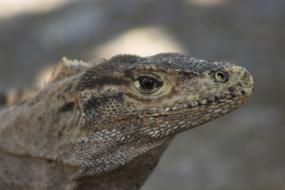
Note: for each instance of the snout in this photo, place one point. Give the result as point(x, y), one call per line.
point(247, 83)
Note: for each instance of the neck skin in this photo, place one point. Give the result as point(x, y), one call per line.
point(26, 172)
point(129, 177)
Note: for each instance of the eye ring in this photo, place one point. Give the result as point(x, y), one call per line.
point(147, 84)
point(221, 76)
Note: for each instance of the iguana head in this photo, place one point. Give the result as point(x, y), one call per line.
point(165, 93)
point(145, 100)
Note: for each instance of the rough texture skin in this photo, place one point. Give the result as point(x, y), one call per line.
point(105, 126)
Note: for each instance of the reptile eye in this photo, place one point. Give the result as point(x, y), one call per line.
point(221, 76)
point(147, 84)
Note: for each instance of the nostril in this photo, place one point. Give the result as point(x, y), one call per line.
point(221, 76)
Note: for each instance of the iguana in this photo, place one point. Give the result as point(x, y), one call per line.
point(104, 126)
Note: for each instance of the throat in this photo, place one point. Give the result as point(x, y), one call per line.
point(132, 175)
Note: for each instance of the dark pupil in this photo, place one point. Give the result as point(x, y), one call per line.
point(221, 75)
point(147, 83)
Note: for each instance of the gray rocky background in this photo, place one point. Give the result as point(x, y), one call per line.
point(244, 150)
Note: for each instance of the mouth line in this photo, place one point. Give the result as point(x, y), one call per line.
point(223, 98)
point(231, 98)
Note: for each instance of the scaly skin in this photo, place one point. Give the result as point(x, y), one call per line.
point(105, 126)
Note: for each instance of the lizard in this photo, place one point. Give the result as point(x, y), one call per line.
point(104, 126)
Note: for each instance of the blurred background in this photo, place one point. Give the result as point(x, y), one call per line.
point(243, 150)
